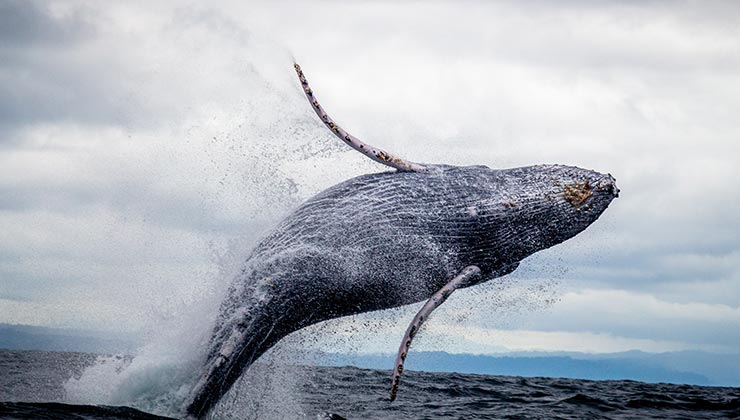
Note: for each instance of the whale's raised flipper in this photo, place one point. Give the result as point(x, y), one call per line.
point(373, 153)
point(461, 280)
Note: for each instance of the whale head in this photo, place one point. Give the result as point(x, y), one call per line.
point(516, 212)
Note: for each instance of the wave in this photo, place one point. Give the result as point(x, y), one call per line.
point(59, 411)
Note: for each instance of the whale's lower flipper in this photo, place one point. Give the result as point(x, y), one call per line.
point(461, 280)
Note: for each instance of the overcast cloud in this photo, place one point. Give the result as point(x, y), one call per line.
point(144, 148)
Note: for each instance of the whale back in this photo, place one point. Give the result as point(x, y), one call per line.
point(402, 235)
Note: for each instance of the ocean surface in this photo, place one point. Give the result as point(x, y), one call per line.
point(32, 386)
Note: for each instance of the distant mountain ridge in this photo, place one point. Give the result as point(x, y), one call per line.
point(684, 367)
point(645, 370)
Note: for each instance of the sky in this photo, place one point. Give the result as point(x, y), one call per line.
point(144, 148)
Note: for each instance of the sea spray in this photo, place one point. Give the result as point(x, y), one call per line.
point(248, 164)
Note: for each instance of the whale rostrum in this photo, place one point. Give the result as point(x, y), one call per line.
point(389, 239)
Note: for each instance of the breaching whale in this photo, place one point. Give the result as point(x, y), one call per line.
point(389, 239)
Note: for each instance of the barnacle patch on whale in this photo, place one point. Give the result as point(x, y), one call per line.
point(578, 192)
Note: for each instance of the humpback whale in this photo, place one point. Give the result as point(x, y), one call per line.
point(389, 239)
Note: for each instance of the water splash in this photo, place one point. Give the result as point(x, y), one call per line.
point(248, 171)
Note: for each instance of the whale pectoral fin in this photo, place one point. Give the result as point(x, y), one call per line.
point(433, 303)
point(374, 153)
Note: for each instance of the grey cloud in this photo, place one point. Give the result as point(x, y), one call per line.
point(47, 87)
point(636, 322)
point(28, 23)
point(33, 87)
point(643, 90)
